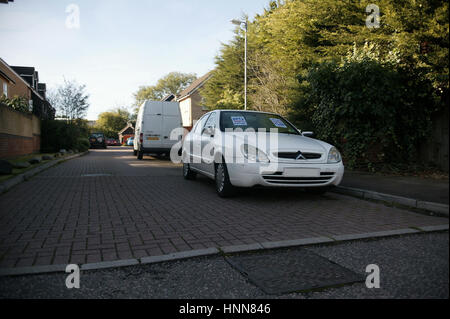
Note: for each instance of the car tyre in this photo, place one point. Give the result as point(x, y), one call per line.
point(188, 174)
point(224, 187)
point(140, 155)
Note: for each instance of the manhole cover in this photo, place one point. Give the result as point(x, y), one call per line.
point(292, 271)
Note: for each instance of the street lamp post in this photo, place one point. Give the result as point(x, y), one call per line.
point(245, 23)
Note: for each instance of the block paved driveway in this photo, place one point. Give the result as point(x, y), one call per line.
point(108, 206)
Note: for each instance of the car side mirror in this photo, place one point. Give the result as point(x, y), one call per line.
point(209, 131)
point(308, 134)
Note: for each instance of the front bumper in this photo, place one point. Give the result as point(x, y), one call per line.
point(255, 174)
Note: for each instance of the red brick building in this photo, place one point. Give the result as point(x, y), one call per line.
point(20, 132)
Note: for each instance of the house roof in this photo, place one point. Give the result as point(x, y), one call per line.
point(168, 98)
point(197, 84)
point(23, 70)
point(126, 128)
point(7, 77)
point(21, 78)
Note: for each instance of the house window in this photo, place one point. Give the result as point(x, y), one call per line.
point(5, 89)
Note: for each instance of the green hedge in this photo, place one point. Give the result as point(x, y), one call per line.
point(57, 135)
point(373, 112)
point(83, 144)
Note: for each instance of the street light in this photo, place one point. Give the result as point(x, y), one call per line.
point(239, 23)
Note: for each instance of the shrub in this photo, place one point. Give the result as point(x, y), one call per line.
point(373, 112)
point(83, 144)
point(56, 135)
point(17, 103)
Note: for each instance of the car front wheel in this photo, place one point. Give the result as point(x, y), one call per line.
point(223, 185)
point(188, 173)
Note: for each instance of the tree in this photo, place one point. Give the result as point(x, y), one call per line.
point(173, 83)
point(291, 36)
point(224, 90)
point(112, 122)
point(70, 100)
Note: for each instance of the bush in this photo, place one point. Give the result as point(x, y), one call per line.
point(83, 144)
point(373, 112)
point(56, 135)
point(17, 103)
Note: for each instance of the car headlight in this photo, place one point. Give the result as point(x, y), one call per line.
point(254, 154)
point(334, 156)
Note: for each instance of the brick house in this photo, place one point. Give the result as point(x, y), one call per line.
point(126, 133)
point(20, 132)
point(41, 107)
point(191, 102)
point(11, 84)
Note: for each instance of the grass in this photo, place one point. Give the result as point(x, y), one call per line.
point(26, 158)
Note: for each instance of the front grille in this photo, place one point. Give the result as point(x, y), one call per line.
point(279, 179)
point(295, 155)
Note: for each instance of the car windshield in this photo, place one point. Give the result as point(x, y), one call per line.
point(97, 135)
point(256, 121)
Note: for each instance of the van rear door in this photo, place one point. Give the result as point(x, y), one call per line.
point(152, 126)
point(172, 120)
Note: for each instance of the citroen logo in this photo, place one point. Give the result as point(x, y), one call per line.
point(300, 156)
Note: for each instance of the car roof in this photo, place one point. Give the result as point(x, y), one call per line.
point(243, 111)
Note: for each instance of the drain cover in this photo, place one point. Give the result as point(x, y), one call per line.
point(284, 272)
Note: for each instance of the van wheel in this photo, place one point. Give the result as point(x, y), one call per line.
point(188, 173)
point(224, 187)
point(140, 155)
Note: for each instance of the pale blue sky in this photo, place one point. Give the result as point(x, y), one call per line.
point(120, 45)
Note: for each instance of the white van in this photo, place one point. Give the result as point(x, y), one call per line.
point(155, 121)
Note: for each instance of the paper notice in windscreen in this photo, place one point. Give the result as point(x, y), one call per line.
point(278, 123)
point(239, 121)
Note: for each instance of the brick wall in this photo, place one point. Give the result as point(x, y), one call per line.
point(12, 146)
point(19, 133)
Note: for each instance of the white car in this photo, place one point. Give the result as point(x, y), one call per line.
point(246, 149)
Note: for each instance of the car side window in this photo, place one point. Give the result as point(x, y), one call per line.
point(201, 124)
point(211, 121)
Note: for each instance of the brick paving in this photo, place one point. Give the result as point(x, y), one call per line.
point(144, 208)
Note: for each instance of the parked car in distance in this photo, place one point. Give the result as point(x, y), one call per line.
point(130, 141)
point(98, 140)
point(155, 122)
point(296, 161)
point(110, 142)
